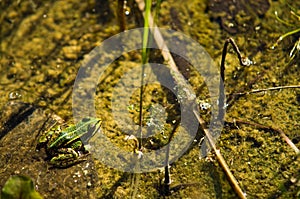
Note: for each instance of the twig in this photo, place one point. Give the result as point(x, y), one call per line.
point(270, 128)
point(232, 97)
point(221, 160)
point(121, 15)
point(268, 89)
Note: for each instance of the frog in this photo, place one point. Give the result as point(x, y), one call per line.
point(65, 146)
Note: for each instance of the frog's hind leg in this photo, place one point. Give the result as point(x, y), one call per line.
point(67, 157)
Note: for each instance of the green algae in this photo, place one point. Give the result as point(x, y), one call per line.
point(43, 45)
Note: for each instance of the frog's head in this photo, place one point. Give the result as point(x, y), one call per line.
point(92, 126)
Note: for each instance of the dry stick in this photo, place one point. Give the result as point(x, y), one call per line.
point(282, 134)
point(268, 89)
point(180, 80)
point(269, 128)
point(121, 15)
point(221, 160)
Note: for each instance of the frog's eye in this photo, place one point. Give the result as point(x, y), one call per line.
point(85, 119)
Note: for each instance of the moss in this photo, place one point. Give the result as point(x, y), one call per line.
point(45, 46)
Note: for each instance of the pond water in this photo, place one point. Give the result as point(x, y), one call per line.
point(45, 43)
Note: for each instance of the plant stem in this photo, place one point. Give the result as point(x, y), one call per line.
point(144, 61)
point(244, 61)
point(121, 15)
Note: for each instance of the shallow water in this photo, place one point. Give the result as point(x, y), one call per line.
point(44, 43)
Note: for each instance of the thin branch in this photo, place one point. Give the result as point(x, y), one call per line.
point(267, 89)
point(121, 15)
point(221, 160)
point(270, 128)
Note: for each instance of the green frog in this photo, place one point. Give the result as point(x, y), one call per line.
point(65, 146)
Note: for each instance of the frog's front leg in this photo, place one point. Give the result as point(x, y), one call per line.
point(66, 157)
